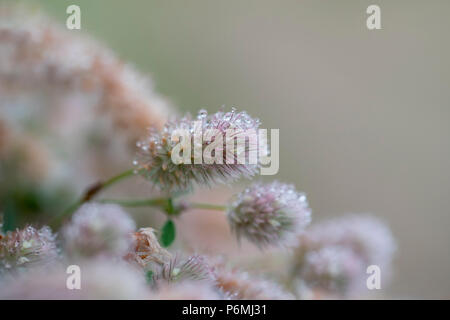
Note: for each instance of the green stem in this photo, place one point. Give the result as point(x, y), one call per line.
point(117, 178)
point(208, 206)
point(90, 193)
point(162, 203)
point(157, 202)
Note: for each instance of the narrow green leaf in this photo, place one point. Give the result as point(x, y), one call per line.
point(168, 233)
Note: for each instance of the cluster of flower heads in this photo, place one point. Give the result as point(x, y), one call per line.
point(269, 214)
point(330, 259)
point(37, 54)
point(216, 132)
point(119, 261)
point(26, 248)
point(333, 256)
point(62, 93)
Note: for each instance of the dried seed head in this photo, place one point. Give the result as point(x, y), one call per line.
point(269, 214)
point(146, 250)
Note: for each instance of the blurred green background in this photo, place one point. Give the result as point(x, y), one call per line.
point(364, 116)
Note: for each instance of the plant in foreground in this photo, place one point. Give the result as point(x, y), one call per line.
point(122, 262)
point(329, 257)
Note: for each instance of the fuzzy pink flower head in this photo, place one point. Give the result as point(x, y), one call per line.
point(200, 160)
point(25, 248)
point(334, 269)
point(98, 229)
point(101, 278)
point(333, 256)
point(269, 214)
point(366, 235)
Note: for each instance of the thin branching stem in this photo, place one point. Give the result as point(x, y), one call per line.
point(90, 193)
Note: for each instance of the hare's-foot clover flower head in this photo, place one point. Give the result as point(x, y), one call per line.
point(366, 235)
point(269, 214)
point(333, 269)
point(333, 256)
point(27, 247)
point(206, 150)
point(98, 229)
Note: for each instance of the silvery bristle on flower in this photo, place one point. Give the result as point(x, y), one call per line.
point(333, 255)
point(269, 214)
point(100, 279)
point(26, 248)
point(194, 267)
point(98, 229)
point(154, 153)
point(146, 250)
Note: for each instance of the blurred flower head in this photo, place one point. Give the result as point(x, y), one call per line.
point(188, 290)
point(269, 214)
point(333, 269)
point(333, 256)
point(243, 286)
point(98, 229)
point(26, 248)
point(100, 279)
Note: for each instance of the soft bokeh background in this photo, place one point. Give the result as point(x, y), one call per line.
point(364, 116)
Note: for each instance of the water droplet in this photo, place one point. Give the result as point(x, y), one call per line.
point(202, 114)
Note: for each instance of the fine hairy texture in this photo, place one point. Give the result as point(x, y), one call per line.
point(269, 214)
point(78, 123)
point(154, 159)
